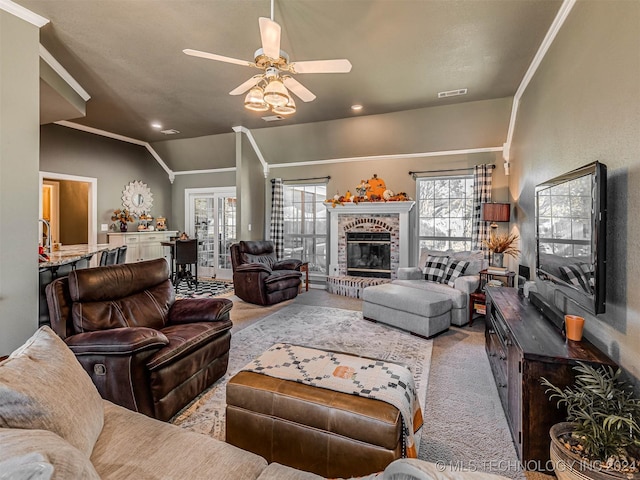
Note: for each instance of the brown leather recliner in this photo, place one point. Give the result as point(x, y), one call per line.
point(143, 349)
point(258, 276)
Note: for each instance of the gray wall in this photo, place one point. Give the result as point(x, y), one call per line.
point(19, 138)
point(583, 105)
point(460, 126)
point(199, 153)
point(201, 180)
point(112, 162)
point(448, 127)
point(452, 127)
point(250, 192)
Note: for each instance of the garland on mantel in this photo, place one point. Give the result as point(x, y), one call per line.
point(372, 190)
point(341, 199)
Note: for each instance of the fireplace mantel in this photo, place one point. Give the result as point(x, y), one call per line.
point(371, 207)
point(364, 209)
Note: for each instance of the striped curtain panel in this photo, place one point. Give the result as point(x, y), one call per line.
point(482, 175)
point(276, 232)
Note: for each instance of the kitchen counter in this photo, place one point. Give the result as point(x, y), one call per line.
point(72, 253)
point(60, 264)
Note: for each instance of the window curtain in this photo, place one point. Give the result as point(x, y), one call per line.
point(482, 175)
point(276, 231)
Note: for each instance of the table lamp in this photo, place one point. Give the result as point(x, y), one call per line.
point(496, 212)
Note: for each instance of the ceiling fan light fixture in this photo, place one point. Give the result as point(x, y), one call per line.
point(275, 93)
point(255, 100)
point(288, 109)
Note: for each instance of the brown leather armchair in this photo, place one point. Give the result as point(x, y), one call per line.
point(143, 349)
point(258, 276)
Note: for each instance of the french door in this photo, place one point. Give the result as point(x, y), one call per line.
point(210, 215)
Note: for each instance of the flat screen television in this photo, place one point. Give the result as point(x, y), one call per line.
point(571, 222)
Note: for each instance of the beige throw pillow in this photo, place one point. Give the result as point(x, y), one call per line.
point(44, 387)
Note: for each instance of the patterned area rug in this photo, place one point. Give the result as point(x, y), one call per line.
point(206, 288)
point(320, 327)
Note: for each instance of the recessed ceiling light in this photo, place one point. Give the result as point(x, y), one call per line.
point(170, 131)
point(356, 107)
point(156, 125)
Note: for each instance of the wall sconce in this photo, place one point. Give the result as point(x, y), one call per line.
point(496, 212)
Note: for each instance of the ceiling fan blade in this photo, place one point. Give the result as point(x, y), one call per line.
point(270, 35)
point(239, 90)
point(213, 56)
point(341, 65)
point(300, 90)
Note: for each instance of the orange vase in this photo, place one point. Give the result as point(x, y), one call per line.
point(574, 326)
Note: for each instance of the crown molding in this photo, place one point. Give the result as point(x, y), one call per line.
point(102, 133)
point(208, 170)
point(64, 74)
point(397, 156)
point(23, 13)
point(122, 138)
point(247, 132)
point(561, 16)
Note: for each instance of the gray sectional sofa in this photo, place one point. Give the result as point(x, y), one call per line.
point(423, 307)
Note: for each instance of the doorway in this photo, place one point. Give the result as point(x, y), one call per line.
point(210, 215)
point(69, 204)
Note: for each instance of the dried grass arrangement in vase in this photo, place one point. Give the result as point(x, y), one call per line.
point(502, 244)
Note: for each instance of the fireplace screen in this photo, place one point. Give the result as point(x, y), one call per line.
point(369, 254)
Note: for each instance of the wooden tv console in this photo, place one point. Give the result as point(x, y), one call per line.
point(523, 346)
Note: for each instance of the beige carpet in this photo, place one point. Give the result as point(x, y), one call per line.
point(462, 408)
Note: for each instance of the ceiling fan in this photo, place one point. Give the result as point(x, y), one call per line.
point(268, 90)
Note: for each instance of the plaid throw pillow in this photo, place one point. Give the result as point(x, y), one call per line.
point(434, 268)
point(455, 268)
point(578, 275)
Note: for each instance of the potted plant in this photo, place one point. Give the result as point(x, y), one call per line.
point(500, 245)
point(601, 438)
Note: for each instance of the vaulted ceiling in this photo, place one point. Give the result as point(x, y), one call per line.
point(127, 54)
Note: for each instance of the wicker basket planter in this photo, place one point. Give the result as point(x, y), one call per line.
point(570, 466)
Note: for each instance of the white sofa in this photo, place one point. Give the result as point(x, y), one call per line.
point(419, 306)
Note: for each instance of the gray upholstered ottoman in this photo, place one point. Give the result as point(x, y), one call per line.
point(418, 311)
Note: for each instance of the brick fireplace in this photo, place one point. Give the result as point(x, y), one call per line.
point(391, 218)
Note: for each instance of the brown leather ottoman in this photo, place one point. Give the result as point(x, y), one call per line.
point(328, 433)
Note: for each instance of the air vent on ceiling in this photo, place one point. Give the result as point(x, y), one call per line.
point(170, 131)
point(452, 93)
point(273, 118)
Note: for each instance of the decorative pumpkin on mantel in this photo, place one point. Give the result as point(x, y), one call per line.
point(377, 187)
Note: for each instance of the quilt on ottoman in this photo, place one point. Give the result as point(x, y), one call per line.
point(389, 382)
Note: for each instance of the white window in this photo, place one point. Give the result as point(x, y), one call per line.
point(445, 212)
point(305, 225)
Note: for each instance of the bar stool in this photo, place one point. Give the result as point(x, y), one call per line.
point(186, 255)
point(108, 257)
point(122, 255)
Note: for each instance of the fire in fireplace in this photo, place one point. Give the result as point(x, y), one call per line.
point(369, 254)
